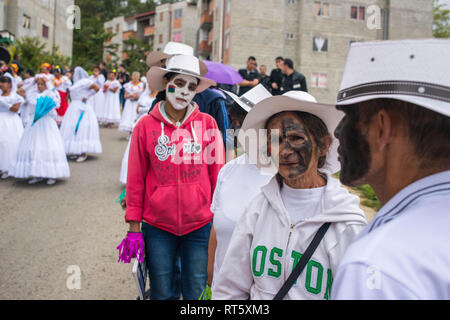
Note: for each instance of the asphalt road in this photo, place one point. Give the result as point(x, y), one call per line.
point(49, 235)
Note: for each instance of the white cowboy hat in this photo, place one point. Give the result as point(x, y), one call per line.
point(155, 58)
point(181, 64)
point(251, 97)
point(415, 71)
point(292, 101)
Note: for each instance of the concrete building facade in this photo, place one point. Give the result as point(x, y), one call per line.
point(47, 20)
point(316, 35)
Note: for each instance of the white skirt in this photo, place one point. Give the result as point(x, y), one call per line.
point(110, 112)
point(87, 139)
point(129, 116)
point(11, 131)
point(98, 101)
point(124, 170)
point(41, 152)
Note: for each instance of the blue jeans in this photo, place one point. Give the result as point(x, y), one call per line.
point(164, 249)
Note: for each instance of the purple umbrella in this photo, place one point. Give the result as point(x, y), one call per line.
point(222, 74)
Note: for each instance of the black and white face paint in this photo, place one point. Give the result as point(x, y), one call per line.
point(180, 91)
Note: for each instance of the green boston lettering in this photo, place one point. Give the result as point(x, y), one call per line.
point(314, 264)
point(275, 263)
point(262, 261)
point(329, 284)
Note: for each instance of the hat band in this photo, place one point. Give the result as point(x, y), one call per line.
point(247, 102)
point(409, 88)
point(184, 71)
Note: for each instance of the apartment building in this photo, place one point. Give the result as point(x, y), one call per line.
point(44, 19)
point(316, 35)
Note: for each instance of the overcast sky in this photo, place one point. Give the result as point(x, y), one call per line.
point(447, 2)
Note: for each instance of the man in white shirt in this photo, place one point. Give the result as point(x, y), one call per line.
point(396, 137)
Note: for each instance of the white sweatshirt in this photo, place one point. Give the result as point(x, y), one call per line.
point(266, 246)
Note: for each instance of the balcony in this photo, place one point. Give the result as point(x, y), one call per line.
point(129, 35)
point(210, 36)
point(204, 47)
point(149, 31)
point(206, 20)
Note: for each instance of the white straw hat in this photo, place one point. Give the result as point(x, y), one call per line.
point(171, 49)
point(251, 97)
point(292, 101)
point(415, 71)
point(181, 64)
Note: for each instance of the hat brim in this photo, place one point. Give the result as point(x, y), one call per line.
point(156, 75)
point(155, 58)
point(238, 101)
point(438, 106)
point(259, 115)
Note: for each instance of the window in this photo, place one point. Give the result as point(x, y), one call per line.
point(290, 36)
point(291, 1)
point(321, 9)
point(178, 13)
point(228, 6)
point(117, 28)
point(26, 22)
point(319, 80)
point(160, 38)
point(161, 16)
point(177, 36)
point(358, 13)
point(320, 44)
point(45, 31)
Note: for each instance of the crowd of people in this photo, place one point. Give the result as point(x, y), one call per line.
point(257, 212)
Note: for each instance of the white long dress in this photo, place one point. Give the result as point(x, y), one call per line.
point(110, 112)
point(41, 150)
point(98, 100)
point(145, 103)
point(129, 114)
point(87, 138)
point(11, 130)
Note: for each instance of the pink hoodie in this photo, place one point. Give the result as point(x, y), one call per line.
point(165, 188)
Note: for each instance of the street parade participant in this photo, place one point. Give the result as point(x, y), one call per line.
point(176, 154)
point(396, 137)
point(98, 100)
point(45, 72)
point(29, 86)
point(41, 153)
point(289, 241)
point(133, 91)
point(144, 104)
point(238, 183)
point(10, 124)
point(109, 113)
point(62, 84)
point(79, 128)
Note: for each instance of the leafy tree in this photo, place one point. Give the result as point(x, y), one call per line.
point(441, 25)
point(136, 52)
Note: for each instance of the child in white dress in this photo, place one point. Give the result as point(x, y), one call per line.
point(41, 153)
point(10, 124)
point(133, 91)
point(79, 128)
point(109, 114)
point(98, 100)
point(144, 105)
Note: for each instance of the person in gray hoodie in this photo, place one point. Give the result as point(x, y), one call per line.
point(279, 224)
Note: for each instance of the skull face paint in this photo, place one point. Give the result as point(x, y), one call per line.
point(295, 145)
point(180, 91)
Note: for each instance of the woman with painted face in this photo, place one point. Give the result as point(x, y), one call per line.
point(175, 156)
point(281, 222)
point(79, 128)
point(133, 91)
point(10, 124)
point(41, 153)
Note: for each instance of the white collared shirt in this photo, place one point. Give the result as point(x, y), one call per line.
point(404, 253)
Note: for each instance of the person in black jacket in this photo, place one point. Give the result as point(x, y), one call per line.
point(124, 77)
point(276, 77)
point(292, 80)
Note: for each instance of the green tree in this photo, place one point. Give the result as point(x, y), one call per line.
point(441, 24)
point(136, 52)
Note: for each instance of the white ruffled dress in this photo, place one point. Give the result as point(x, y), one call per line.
point(87, 139)
point(98, 100)
point(129, 114)
point(110, 112)
point(11, 130)
point(41, 150)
